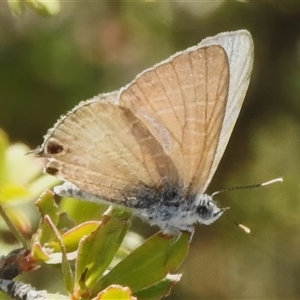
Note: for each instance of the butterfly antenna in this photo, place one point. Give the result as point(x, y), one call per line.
point(252, 186)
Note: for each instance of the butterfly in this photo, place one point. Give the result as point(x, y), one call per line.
point(154, 145)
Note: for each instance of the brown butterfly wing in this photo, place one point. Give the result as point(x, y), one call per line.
point(103, 149)
point(239, 48)
point(182, 102)
point(173, 118)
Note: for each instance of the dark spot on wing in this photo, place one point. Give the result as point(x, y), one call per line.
point(54, 148)
point(52, 171)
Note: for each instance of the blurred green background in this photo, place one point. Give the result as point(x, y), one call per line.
point(49, 64)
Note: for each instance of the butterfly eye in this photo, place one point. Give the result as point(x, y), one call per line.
point(204, 211)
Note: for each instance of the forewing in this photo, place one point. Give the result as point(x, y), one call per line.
point(240, 51)
point(182, 102)
point(103, 149)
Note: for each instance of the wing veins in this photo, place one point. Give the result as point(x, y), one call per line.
point(169, 100)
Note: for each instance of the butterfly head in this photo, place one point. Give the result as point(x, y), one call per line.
point(207, 211)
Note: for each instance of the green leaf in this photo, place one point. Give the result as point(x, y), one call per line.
point(66, 268)
point(72, 237)
point(82, 211)
point(150, 263)
point(65, 222)
point(96, 251)
point(38, 252)
point(115, 292)
point(159, 290)
point(46, 206)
